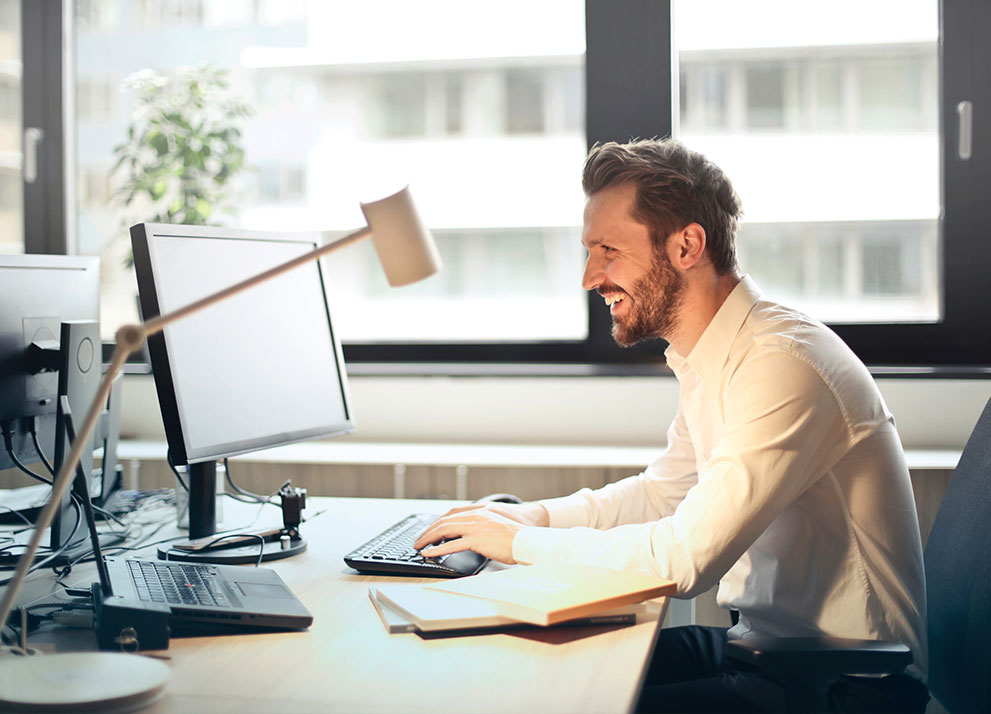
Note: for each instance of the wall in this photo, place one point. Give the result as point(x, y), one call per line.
point(931, 414)
point(620, 411)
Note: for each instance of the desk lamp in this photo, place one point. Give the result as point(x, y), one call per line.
point(407, 253)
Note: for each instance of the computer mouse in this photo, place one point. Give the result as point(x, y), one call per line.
point(500, 498)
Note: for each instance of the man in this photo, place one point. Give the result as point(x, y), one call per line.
point(783, 480)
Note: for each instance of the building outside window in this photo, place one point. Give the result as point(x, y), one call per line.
point(478, 122)
point(830, 134)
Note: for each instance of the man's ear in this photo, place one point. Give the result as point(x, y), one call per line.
point(688, 246)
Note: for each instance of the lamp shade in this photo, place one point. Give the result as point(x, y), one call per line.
point(404, 245)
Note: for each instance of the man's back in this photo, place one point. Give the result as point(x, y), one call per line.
point(860, 573)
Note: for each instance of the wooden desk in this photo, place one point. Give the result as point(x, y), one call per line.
point(346, 662)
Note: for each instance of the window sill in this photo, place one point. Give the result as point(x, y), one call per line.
point(526, 369)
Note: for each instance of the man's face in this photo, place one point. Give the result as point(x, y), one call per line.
point(637, 281)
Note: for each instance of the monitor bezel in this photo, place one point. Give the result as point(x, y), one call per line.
point(143, 236)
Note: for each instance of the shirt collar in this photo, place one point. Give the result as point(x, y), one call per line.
point(712, 349)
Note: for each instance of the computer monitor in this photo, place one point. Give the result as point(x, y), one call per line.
point(262, 369)
point(42, 298)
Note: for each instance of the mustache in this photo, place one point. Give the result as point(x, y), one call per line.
point(609, 289)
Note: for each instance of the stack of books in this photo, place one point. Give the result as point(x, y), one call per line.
point(540, 595)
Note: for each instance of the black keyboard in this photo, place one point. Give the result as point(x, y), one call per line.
point(391, 552)
point(177, 583)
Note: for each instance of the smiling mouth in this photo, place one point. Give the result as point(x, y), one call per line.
point(613, 299)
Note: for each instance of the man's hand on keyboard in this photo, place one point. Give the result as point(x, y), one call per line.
point(487, 529)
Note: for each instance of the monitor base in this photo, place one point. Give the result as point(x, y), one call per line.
point(235, 555)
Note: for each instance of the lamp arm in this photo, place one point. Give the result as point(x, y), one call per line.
point(129, 339)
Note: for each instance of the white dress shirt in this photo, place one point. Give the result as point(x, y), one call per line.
point(783, 481)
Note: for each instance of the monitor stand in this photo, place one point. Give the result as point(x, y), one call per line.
point(241, 547)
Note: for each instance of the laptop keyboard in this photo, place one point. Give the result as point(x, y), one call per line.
point(391, 552)
point(177, 583)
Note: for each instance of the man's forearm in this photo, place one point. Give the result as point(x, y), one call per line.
point(535, 514)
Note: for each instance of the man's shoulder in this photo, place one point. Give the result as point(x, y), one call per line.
point(786, 345)
point(773, 327)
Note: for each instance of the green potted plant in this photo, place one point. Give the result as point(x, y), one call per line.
point(184, 148)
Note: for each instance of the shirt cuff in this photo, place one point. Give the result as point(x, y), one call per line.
point(567, 511)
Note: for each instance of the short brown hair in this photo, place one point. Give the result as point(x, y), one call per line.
point(675, 186)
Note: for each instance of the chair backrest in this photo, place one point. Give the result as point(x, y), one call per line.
point(958, 581)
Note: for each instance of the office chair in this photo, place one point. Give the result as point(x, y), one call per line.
point(958, 584)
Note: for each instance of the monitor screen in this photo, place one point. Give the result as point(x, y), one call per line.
point(261, 369)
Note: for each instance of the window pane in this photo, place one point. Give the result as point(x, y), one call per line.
point(826, 120)
point(486, 124)
point(765, 96)
point(524, 102)
point(11, 186)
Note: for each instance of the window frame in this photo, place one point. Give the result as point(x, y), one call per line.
point(629, 65)
point(47, 220)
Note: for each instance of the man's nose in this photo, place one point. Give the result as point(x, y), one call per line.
point(592, 277)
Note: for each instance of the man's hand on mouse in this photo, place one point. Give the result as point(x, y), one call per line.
point(487, 529)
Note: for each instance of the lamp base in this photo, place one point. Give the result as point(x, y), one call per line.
point(81, 682)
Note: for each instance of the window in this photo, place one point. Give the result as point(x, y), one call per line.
point(97, 14)
point(839, 128)
point(838, 136)
point(524, 102)
point(454, 119)
point(169, 13)
point(400, 107)
point(278, 184)
point(765, 96)
point(96, 100)
point(479, 123)
point(11, 218)
point(860, 207)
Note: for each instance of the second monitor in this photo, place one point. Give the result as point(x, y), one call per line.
point(262, 369)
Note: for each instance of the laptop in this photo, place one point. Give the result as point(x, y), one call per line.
point(202, 598)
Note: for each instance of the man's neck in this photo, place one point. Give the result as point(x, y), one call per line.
point(704, 294)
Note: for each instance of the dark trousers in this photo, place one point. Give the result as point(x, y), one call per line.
point(689, 673)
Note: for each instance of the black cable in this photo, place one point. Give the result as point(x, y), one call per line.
point(110, 516)
point(55, 554)
point(89, 555)
point(261, 544)
point(33, 620)
point(175, 471)
point(252, 497)
point(51, 469)
point(18, 514)
point(37, 447)
point(74, 500)
point(8, 442)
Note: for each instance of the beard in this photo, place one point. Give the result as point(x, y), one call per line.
point(656, 299)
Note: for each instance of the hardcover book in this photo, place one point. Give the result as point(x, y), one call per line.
point(548, 593)
point(412, 608)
